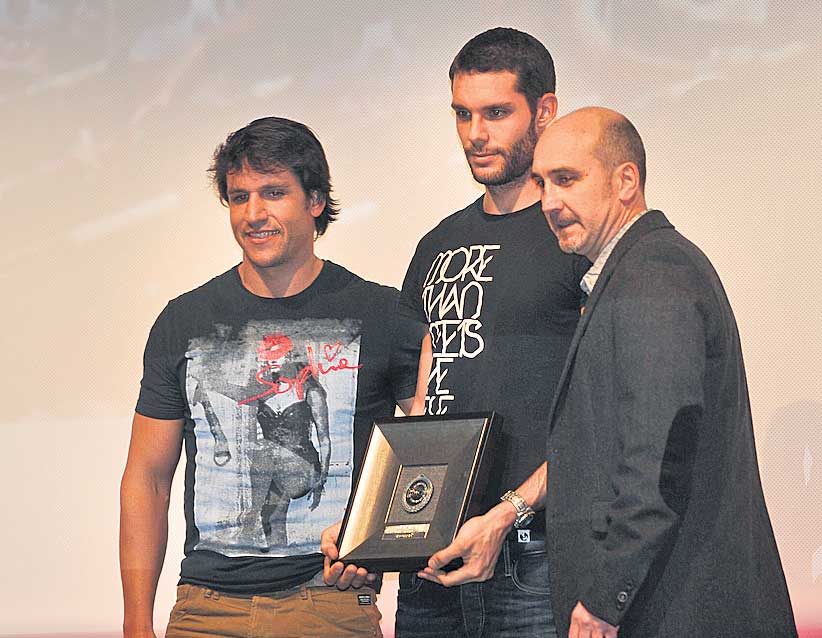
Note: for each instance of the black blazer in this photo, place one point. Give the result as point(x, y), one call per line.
point(655, 515)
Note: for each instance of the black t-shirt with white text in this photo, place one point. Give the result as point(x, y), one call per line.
point(501, 302)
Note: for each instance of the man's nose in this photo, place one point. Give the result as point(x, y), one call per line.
point(255, 211)
point(478, 132)
point(549, 199)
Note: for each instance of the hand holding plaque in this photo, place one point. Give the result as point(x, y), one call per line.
point(336, 573)
point(415, 488)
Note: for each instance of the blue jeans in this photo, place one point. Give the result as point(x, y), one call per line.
point(514, 603)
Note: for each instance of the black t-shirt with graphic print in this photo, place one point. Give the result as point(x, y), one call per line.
point(501, 302)
point(278, 396)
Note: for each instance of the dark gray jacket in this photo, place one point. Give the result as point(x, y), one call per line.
point(655, 515)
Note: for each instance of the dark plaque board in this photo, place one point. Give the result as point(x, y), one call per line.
point(416, 487)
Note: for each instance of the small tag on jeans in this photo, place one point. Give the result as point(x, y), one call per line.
point(363, 599)
point(523, 535)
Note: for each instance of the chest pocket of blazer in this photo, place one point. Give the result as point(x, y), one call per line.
point(599, 517)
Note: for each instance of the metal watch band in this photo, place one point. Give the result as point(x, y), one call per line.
point(524, 511)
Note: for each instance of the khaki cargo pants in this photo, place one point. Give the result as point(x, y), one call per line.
point(301, 611)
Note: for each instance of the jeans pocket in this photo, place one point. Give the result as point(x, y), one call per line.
point(530, 573)
point(409, 584)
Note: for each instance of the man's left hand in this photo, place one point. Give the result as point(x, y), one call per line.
point(336, 573)
point(585, 625)
point(478, 544)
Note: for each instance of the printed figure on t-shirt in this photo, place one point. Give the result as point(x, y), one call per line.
point(272, 400)
point(285, 421)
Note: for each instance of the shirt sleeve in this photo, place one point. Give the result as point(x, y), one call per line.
point(659, 366)
point(406, 340)
point(161, 395)
point(410, 303)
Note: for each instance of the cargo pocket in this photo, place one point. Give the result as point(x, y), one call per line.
point(180, 606)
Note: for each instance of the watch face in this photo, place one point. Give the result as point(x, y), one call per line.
point(417, 494)
point(524, 519)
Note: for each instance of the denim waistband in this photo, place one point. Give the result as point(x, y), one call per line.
point(525, 541)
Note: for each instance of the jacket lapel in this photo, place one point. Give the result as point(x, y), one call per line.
point(650, 221)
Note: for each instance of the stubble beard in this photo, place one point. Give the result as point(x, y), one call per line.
point(516, 161)
point(567, 244)
point(570, 247)
point(261, 260)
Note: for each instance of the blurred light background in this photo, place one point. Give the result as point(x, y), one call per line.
point(110, 112)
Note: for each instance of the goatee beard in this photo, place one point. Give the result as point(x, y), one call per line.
point(516, 161)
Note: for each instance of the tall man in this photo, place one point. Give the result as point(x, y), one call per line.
point(499, 326)
point(656, 519)
point(271, 374)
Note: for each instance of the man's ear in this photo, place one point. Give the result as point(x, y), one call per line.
point(316, 203)
point(545, 111)
point(626, 182)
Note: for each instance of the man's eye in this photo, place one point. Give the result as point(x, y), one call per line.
point(563, 180)
point(273, 194)
point(496, 114)
point(239, 198)
point(463, 115)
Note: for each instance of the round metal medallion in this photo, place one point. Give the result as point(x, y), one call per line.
point(418, 494)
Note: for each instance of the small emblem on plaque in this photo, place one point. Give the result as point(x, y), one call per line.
point(418, 494)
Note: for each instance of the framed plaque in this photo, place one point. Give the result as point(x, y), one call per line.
point(415, 488)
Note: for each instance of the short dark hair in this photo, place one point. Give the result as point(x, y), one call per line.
point(504, 49)
point(271, 144)
point(619, 142)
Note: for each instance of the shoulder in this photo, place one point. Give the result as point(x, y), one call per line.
point(665, 253)
point(346, 282)
point(206, 293)
point(449, 225)
point(663, 269)
point(197, 303)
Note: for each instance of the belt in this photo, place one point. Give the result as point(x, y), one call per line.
point(525, 541)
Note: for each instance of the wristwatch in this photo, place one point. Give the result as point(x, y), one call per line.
point(525, 512)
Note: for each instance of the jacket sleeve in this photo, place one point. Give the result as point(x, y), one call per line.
point(659, 360)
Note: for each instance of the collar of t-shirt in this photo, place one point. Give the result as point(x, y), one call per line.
point(589, 279)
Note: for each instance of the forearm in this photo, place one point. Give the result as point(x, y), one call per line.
point(533, 490)
point(143, 539)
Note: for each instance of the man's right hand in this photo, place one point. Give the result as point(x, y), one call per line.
point(478, 544)
point(336, 573)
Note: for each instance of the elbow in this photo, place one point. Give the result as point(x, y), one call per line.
point(139, 486)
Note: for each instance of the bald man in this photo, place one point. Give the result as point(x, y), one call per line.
point(656, 521)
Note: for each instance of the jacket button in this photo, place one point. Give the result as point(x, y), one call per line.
point(622, 597)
